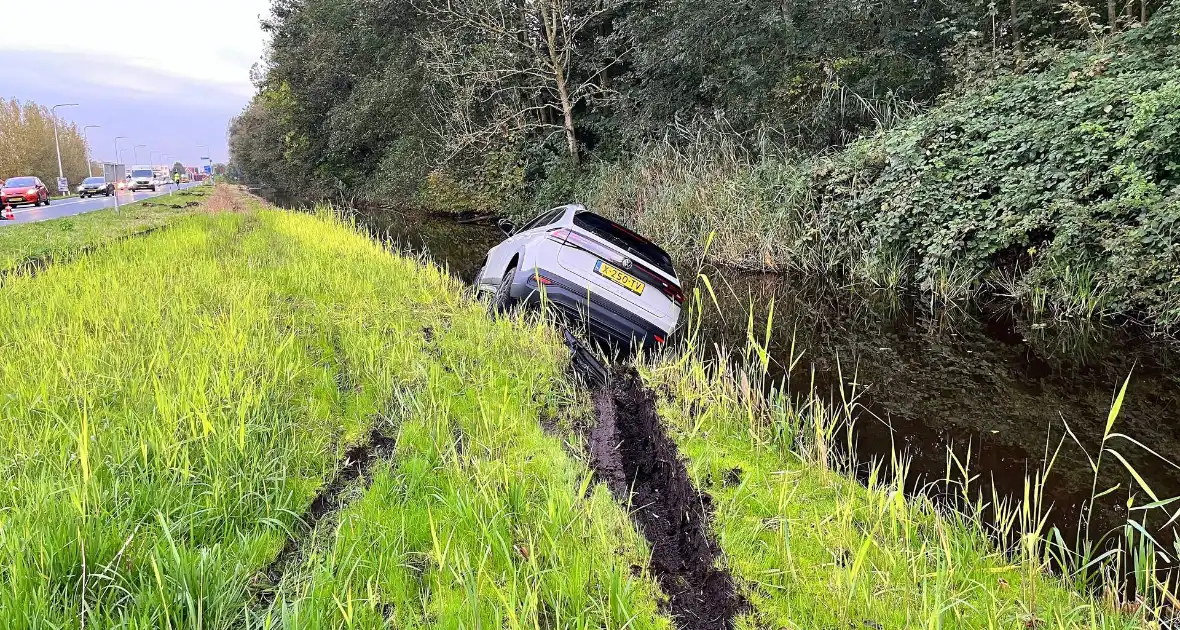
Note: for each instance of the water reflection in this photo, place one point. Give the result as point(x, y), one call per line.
point(971, 380)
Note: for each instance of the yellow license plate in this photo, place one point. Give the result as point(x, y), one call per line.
point(619, 277)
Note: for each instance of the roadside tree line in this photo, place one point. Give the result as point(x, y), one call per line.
point(488, 104)
point(27, 148)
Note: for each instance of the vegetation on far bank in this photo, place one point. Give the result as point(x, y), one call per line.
point(40, 241)
point(1059, 187)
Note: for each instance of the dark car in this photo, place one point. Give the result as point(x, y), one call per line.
point(92, 186)
point(21, 190)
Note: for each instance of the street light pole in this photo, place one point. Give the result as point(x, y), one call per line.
point(117, 162)
point(56, 143)
point(86, 139)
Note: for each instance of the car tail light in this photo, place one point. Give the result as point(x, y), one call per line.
point(658, 339)
point(674, 293)
point(559, 235)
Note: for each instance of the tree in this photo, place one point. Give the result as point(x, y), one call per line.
point(178, 169)
point(27, 145)
point(814, 72)
point(507, 67)
point(340, 103)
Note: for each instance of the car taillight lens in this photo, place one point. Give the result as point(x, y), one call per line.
point(674, 293)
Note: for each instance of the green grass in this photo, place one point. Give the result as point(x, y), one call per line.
point(814, 548)
point(26, 243)
point(173, 403)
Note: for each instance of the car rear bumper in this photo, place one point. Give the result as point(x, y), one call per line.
point(599, 315)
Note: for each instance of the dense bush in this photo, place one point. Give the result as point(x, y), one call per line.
point(1061, 187)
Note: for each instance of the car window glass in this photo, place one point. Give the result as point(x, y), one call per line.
point(625, 239)
point(544, 218)
point(549, 217)
point(531, 224)
point(21, 181)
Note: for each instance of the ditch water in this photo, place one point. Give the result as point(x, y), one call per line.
point(963, 380)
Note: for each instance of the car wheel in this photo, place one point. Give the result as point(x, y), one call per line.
point(47, 201)
point(502, 300)
point(153, 189)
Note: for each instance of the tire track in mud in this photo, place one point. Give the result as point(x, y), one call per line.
point(357, 463)
point(632, 453)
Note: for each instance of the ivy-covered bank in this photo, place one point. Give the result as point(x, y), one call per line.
point(1059, 187)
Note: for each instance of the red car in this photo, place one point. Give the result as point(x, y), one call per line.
point(18, 190)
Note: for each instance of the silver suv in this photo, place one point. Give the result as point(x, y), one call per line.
point(620, 285)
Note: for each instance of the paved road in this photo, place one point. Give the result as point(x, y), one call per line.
point(74, 205)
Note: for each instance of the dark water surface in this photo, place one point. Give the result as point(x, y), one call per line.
point(970, 379)
point(974, 380)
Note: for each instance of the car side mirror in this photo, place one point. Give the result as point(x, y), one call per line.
point(506, 227)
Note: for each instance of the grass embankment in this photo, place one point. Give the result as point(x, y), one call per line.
point(41, 241)
point(178, 406)
point(1059, 187)
point(815, 548)
point(174, 403)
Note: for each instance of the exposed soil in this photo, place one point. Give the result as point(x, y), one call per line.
point(357, 463)
point(633, 455)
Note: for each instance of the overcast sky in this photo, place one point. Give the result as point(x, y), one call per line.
point(164, 73)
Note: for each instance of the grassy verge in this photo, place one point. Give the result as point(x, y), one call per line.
point(815, 548)
point(26, 243)
point(210, 380)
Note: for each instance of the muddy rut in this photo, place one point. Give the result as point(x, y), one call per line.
point(358, 461)
point(632, 453)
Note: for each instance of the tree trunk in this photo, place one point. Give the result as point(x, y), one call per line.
point(1112, 14)
point(549, 16)
point(1143, 11)
point(1017, 46)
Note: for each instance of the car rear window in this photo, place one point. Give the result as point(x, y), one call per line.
point(625, 239)
point(21, 181)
